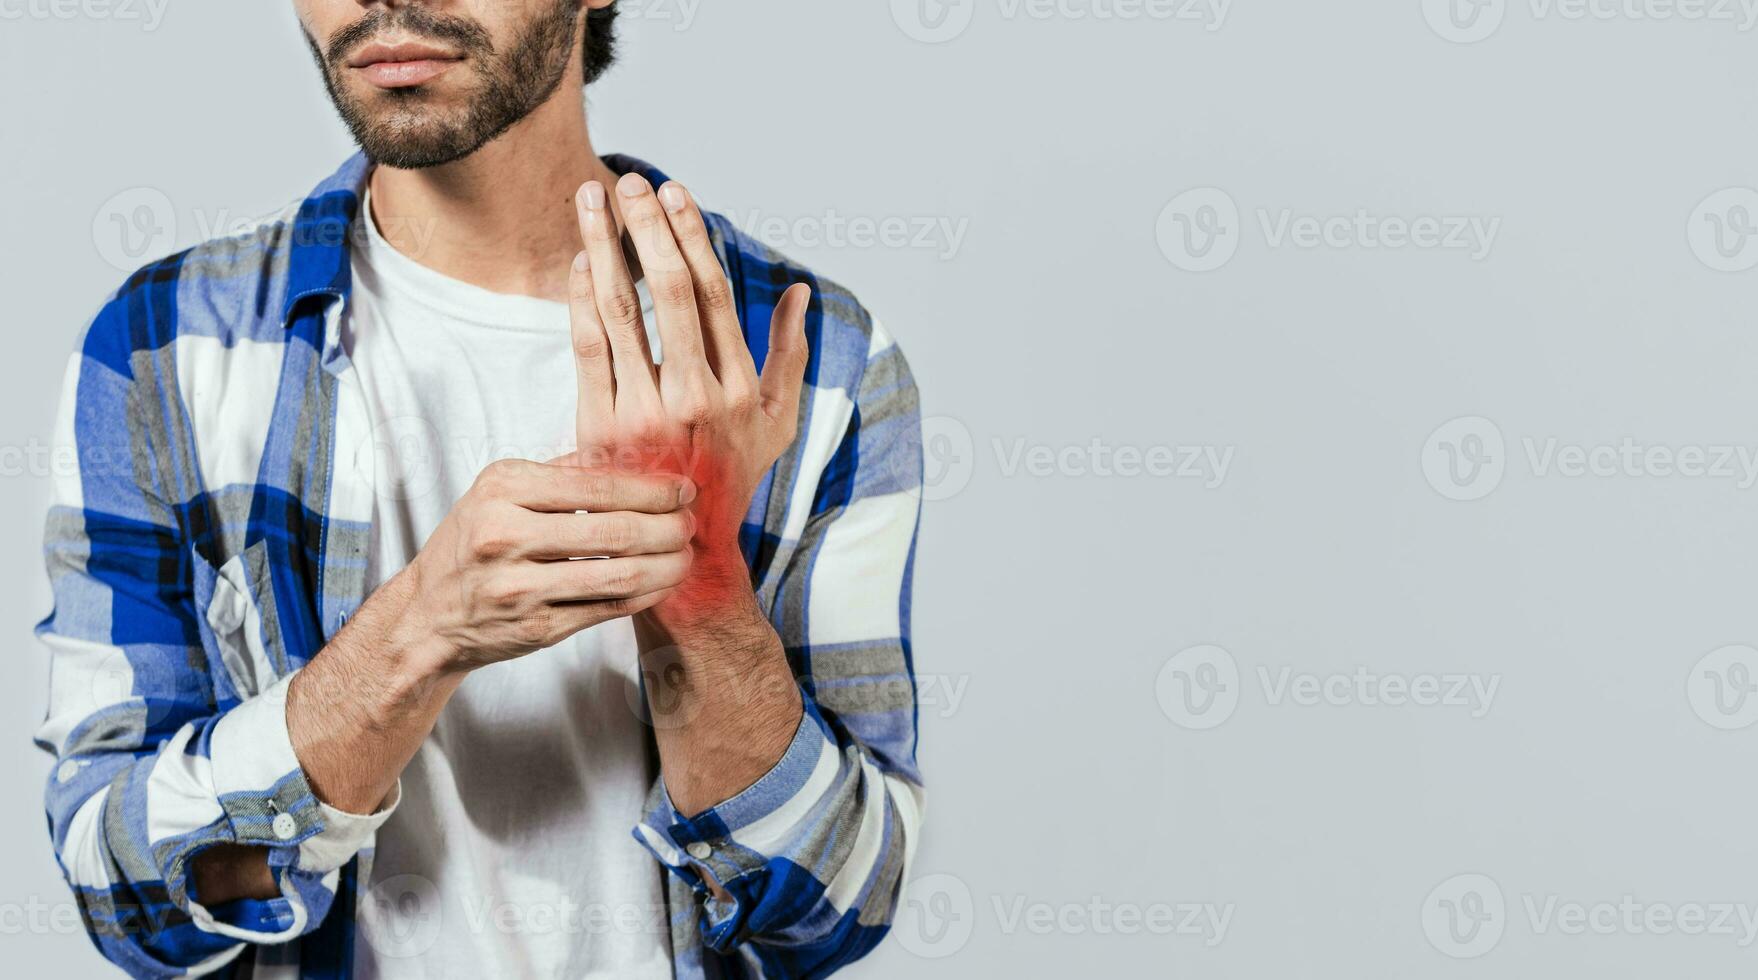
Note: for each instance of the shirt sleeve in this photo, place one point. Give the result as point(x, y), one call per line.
point(152, 766)
point(801, 872)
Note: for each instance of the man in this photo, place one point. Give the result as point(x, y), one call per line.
point(494, 501)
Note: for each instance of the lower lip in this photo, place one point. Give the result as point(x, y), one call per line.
point(405, 74)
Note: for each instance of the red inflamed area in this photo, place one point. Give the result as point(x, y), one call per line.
point(717, 508)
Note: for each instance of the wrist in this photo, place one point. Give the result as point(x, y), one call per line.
point(389, 655)
point(418, 650)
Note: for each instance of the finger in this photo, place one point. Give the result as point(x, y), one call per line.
point(728, 356)
point(595, 399)
point(784, 368)
point(619, 307)
point(611, 534)
point(596, 579)
point(668, 277)
point(552, 488)
point(567, 618)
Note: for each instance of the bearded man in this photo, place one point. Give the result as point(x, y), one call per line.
point(497, 565)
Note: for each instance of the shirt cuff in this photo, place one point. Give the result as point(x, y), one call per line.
point(268, 802)
point(735, 839)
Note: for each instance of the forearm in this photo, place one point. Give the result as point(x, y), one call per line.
point(725, 702)
point(359, 711)
point(356, 714)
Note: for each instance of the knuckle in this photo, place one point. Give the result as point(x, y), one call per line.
point(503, 595)
point(694, 407)
point(495, 477)
point(536, 630)
point(490, 540)
point(613, 536)
point(675, 289)
point(716, 292)
point(619, 579)
point(622, 307)
point(591, 347)
point(595, 489)
point(741, 401)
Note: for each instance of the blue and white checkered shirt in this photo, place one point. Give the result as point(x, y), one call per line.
point(214, 536)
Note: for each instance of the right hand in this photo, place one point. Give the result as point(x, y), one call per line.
point(496, 580)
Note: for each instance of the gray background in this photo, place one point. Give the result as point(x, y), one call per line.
point(1073, 773)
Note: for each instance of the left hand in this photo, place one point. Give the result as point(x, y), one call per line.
point(705, 412)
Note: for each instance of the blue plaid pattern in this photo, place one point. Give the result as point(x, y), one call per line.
point(213, 537)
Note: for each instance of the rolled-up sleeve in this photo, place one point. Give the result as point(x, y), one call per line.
point(152, 763)
point(803, 871)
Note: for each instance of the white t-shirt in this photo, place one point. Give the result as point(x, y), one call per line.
point(510, 854)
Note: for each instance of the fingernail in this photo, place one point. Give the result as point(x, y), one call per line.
point(593, 195)
point(686, 492)
point(580, 262)
point(673, 197)
point(632, 185)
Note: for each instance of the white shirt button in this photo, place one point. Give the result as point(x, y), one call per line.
point(66, 771)
point(284, 826)
point(700, 851)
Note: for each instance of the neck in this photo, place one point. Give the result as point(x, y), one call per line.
point(502, 218)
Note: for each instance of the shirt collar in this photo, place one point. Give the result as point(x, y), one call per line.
point(317, 261)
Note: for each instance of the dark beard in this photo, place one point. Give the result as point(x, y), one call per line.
point(398, 128)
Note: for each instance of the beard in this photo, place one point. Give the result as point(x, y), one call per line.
point(412, 128)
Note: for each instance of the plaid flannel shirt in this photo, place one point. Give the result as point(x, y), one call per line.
point(213, 537)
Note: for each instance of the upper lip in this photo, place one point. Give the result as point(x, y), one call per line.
point(378, 52)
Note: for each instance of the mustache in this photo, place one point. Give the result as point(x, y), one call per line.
point(416, 21)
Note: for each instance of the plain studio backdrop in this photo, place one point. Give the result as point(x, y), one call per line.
point(1341, 434)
